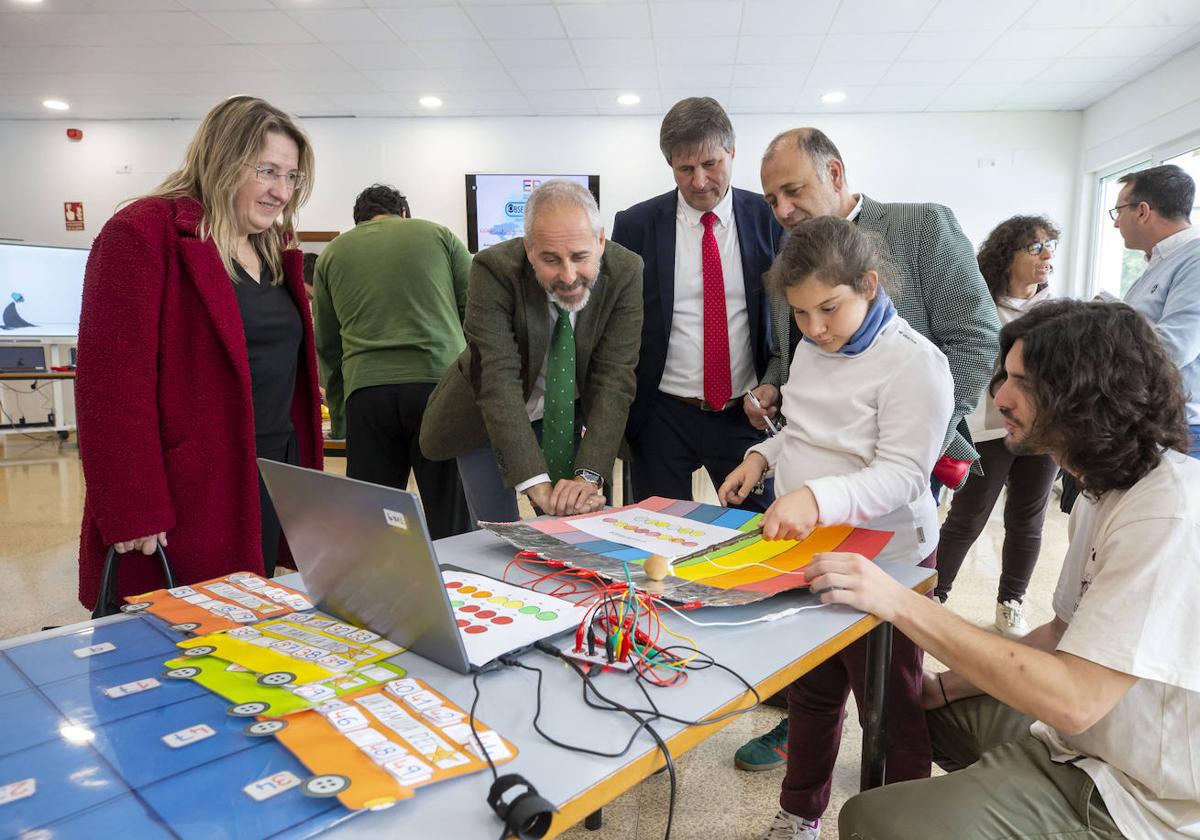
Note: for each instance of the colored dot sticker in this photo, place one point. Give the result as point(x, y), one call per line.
point(475, 628)
point(465, 589)
point(453, 584)
point(502, 619)
point(470, 608)
point(456, 604)
point(462, 622)
point(514, 605)
point(531, 610)
point(499, 599)
point(482, 614)
point(547, 616)
point(482, 595)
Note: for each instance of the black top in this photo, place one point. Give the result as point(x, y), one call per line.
point(274, 334)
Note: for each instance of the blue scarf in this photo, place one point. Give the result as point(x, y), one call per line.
point(882, 311)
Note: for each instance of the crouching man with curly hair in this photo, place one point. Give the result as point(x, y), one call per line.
point(1089, 727)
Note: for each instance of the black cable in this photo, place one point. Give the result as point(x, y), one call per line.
point(475, 732)
point(642, 724)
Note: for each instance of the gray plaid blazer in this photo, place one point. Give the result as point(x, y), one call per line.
point(943, 296)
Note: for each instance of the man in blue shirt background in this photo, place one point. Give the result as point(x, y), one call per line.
point(1153, 214)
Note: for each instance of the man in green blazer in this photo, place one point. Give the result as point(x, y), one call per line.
point(537, 402)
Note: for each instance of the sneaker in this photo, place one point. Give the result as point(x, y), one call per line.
point(1010, 619)
point(787, 826)
point(765, 752)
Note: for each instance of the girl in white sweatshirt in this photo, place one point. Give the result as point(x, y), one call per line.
point(867, 402)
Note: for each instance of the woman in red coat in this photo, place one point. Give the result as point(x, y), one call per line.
point(195, 356)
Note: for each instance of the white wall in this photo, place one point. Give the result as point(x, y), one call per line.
point(1157, 108)
point(1029, 163)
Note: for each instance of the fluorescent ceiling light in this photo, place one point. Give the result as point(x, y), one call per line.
point(56, 105)
point(833, 97)
point(629, 99)
point(430, 102)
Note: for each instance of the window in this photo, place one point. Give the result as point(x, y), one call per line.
point(1114, 268)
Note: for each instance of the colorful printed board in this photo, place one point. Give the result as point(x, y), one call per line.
point(730, 572)
point(376, 746)
point(219, 604)
point(299, 648)
point(250, 694)
point(94, 743)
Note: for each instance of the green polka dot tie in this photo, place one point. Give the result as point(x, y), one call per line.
point(558, 419)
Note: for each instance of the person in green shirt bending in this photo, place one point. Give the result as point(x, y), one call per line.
point(388, 302)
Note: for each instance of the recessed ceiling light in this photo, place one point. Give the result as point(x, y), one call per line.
point(833, 97)
point(56, 105)
point(430, 102)
point(629, 99)
point(29, 2)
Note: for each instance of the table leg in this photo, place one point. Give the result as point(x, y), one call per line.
point(594, 820)
point(874, 754)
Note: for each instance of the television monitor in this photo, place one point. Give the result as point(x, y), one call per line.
point(496, 205)
point(41, 290)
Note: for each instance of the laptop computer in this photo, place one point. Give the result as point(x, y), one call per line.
point(365, 555)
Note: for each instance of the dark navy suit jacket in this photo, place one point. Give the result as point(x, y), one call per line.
point(648, 229)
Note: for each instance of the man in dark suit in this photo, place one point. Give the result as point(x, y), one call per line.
point(705, 335)
point(552, 329)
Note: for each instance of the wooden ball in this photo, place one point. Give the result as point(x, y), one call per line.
point(656, 567)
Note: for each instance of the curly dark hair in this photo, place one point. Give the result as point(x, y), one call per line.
point(380, 200)
point(1108, 397)
point(1010, 236)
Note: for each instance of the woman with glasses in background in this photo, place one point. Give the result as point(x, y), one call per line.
point(1016, 261)
point(196, 355)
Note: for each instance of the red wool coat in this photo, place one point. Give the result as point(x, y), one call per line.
point(162, 395)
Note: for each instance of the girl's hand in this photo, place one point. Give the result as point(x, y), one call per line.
point(792, 517)
point(738, 484)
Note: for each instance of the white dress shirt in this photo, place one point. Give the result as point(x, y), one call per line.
point(1171, 244)
point(683, 375)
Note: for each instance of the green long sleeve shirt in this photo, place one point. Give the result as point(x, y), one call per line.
point(388, 302)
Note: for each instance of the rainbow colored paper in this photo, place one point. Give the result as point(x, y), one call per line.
point(740, 572)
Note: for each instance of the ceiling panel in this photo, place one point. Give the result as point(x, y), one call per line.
point(376, 57)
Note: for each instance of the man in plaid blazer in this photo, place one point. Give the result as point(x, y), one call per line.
point(943, 296)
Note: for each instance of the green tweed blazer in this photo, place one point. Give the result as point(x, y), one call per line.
point(942, 295)
point(482, 396)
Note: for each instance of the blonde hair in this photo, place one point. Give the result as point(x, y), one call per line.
point(230, 137)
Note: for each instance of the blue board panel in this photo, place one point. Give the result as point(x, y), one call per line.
point(70, 778)
point(26, 719)
point(83, 700)
point(11, 680)
point(122, 817)
point(134, 745)
point(208, 802)
point(734, 518)
point(50, 660)
point(705, 513)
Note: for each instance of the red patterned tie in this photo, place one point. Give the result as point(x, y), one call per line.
point(717, 389)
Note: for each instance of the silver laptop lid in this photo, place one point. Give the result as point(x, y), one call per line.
point(365, 555)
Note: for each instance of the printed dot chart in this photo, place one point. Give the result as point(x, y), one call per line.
point(498, 616)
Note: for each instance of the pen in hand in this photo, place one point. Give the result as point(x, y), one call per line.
point(772, 429)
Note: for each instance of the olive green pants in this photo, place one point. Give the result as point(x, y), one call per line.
point(1001, 784)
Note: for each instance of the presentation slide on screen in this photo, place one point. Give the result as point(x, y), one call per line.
point(500, 204)
point(41, 290)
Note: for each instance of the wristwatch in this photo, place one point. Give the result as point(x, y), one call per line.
point(592, 477)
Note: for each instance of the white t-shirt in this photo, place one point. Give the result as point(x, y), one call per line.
point(864, 431)
point(1130, 593)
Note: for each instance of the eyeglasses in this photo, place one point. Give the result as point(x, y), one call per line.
point(1036, 248)
point(1116, 211)
point(269, 175)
